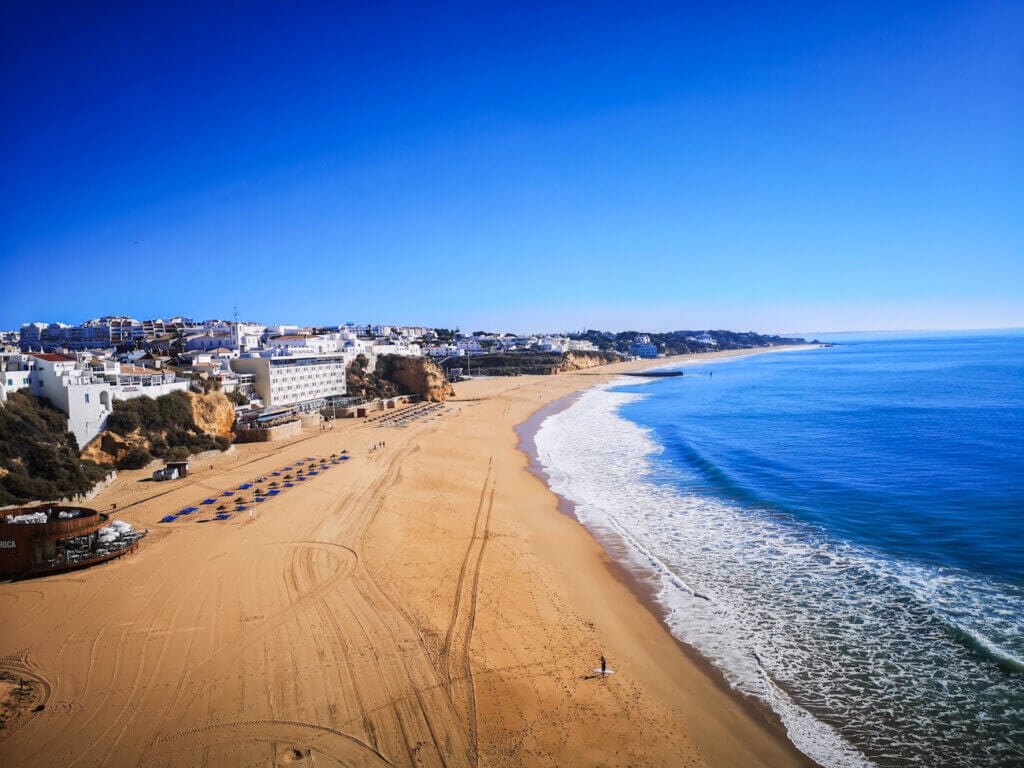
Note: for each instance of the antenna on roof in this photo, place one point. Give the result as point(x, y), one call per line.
point(238, 336)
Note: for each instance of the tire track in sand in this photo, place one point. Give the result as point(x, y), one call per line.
point(203, 671)
point(455, 659)
point(334, 744)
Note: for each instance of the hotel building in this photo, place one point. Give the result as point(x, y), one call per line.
point(300, 380)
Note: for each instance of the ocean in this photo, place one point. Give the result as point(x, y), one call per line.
point(839, 530)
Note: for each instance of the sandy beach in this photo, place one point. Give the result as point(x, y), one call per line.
point(424, 603)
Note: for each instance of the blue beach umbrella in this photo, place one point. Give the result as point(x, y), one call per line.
point(168, 519)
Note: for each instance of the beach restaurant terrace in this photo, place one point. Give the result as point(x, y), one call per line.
point(39, 540)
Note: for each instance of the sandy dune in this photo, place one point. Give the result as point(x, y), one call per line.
point(424, 603)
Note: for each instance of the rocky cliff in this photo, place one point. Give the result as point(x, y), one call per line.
point(109, 448)
point(578, 361)
point(214, 414)
point(416, 376)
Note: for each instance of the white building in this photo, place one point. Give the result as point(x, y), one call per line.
point(281, 330)
point(86, 394)
point(14, 374)
point(282, 379)
point(129, 381)
point(396, 347)
point(248, 335)
point(86, 399)
point(31, 335)
point(470, 346)
point(208, 341)
point(288, 341)
point(443, 350)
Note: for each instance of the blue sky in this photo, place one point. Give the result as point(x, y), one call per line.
point(776, 167)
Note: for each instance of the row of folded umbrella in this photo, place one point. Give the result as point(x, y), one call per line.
point(264, 495)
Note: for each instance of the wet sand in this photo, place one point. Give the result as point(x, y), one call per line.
point(424, 603)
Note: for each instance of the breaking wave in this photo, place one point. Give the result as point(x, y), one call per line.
point(866, 659)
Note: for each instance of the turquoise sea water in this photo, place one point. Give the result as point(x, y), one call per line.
point(841, 530)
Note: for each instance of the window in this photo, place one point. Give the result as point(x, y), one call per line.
point(87, 397)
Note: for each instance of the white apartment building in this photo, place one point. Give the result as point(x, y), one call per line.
point(369, 329)
point(14, 374)
point(470, 345)
point(281, 379)
point(87, 395)
point(289, 341)
point(411, 332)
point(396, 347)
point(85, 399)
point(31, 335)
point(248, 335)
point(208, 341)
point(443, 350)
point(281, 330)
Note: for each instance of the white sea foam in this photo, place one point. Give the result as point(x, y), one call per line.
point(848, 647)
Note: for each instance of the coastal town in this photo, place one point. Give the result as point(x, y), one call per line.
point(270, 372)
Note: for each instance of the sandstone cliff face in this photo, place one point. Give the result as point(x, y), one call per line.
point(214, 414)
point(108, 448)
point(577, 361)
point(416, 376)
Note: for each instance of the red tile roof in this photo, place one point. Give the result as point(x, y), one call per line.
point(51, 358)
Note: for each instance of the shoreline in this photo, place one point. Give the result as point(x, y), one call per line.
point(640, 581)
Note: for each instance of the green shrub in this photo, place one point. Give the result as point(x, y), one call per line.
point(123, 421)
point(177, 453)
point(175, 411)
point(136, 458)
point(237, 398)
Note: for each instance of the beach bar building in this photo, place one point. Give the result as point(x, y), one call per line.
point(35, 541)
